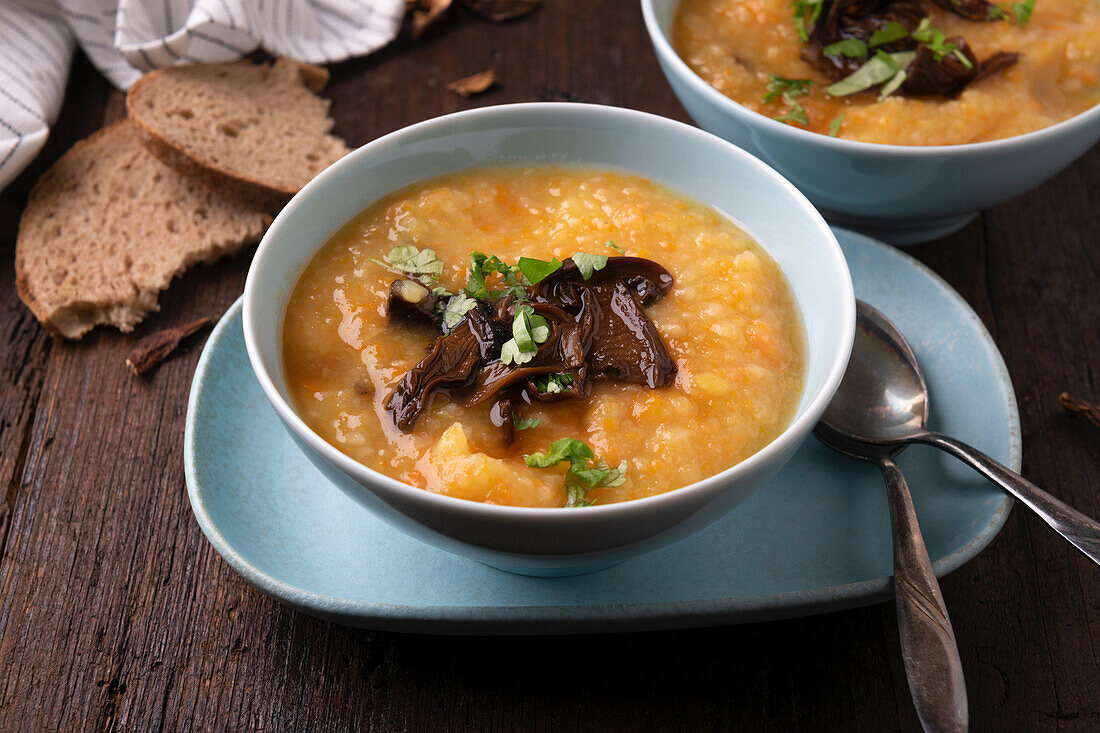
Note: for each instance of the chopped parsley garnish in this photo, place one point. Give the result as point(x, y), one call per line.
point(882, 67)
point(834, 125)
point(892, 31)
point(585, 471)
point(938, 44)
point(528, 331)
point(853, 48)
point(802, 23)
point(795, 114)
point(419, 264)
point(511, 354)
point(455, 309)
point(617, 248)
point(514, 278)
point(892, 85)
point(483, 266)
point(789, 90)
point(523, 423)
point(1018, 13)
point(535, 270)
point(1021, 12)
point(554, 383)
point(587, 264)
point(780, 86)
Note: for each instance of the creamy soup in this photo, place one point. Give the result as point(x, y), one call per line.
point(728, 322)
point(738, 45)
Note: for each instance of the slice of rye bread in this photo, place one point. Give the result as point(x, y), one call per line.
point(256, 132)
point(109, 226)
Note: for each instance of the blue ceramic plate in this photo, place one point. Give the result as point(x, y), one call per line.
point(816, 539)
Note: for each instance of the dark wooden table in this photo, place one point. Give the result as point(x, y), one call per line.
point(117, 615)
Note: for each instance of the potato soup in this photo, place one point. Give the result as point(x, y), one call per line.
point(1037, 64)
point(643, 341)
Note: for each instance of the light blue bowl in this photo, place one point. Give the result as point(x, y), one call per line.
point(902, 194)
point(558, 541)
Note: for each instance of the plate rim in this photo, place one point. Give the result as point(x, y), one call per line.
point(566, 619)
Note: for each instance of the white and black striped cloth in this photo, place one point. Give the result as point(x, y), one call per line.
point(124, 38)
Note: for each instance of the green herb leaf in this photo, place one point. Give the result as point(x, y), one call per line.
point(615, 476)
point(893, 85)
point(523, 423)
point(528, 331)
point(801, 8)
point(892, 31)
point(834, 125)
point(789, 90)
point(535, 270)
point(1021, 12)
point(482, 266)
point(616, 247)
point(578, 482)
point(566, 449)
point(801, 30)
point(585, 472)
point(420, 264)
point(925, 32)
point(512, 354)
point(455, 310)
point(523, 325)
point(853, 48)
point(795, 114)
point(587, 264)
point(475, 281)
point(536, 324)
point(779, 86)
point(996, 12)
point(553, 383)
point(576, 496)
point(879, 68)
point(938, 44)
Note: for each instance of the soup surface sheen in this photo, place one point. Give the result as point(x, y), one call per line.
point(736, 45)
point(729, 322)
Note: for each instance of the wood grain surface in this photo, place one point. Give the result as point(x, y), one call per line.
point(116, 614)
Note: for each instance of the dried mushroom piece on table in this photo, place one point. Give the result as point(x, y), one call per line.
point(468, 86)
point(426, 13)
point(1087, 410)
point(155, 348)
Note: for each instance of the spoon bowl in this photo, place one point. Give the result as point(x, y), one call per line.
point(882, 405)
point(883, 397)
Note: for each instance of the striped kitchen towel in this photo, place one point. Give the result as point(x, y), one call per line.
point(125, 38)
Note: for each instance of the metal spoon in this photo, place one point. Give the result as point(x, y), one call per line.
point(928, 646)
point(883, 401)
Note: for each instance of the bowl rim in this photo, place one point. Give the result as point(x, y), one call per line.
point(798, 428)
point(666, 52)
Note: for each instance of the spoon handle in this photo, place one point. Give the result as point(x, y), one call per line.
point(928, 646)
point(1082, 532)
